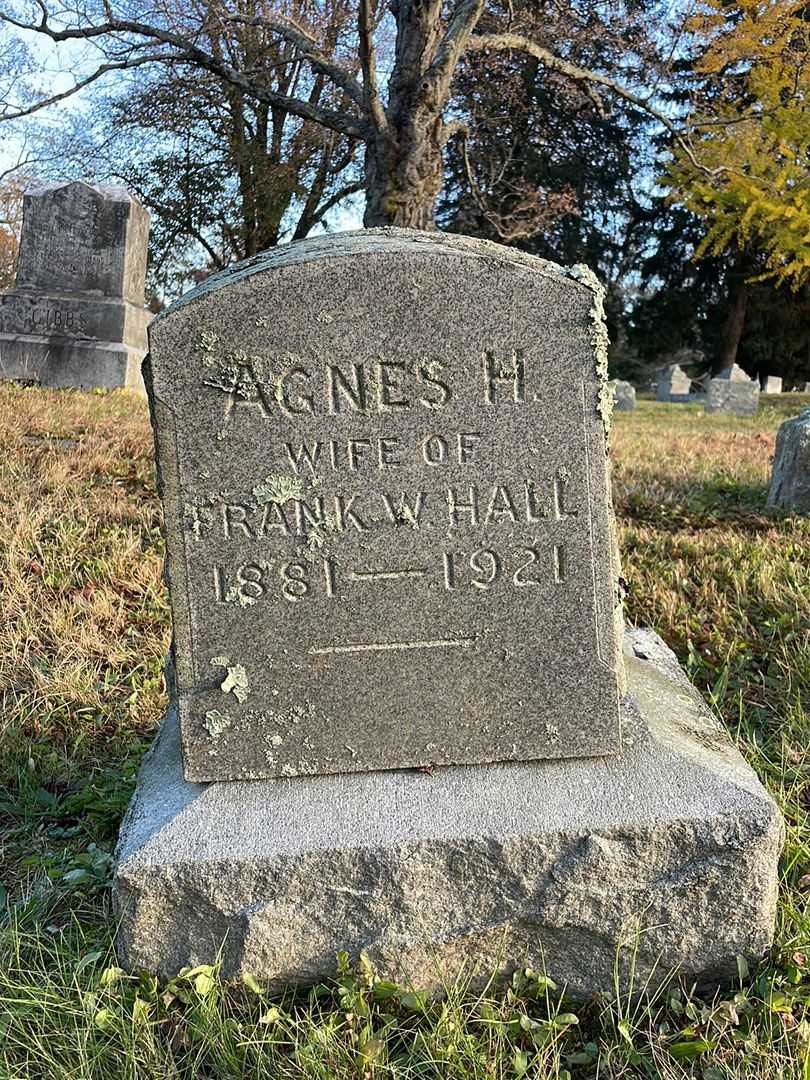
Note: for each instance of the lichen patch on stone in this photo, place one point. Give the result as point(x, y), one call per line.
point(278, 488)
point(599, 338)
point(235, 681)
point(215, 722)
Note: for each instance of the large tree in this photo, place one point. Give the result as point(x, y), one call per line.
point(223, 174)
point(402, 120)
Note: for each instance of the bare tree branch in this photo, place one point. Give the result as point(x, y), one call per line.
point(439, 75)
point(308, 47)
point(585, 76)
point(102, 70)
point(371, 89)
point(339, 196)
point(185, 51)
point(453, 128)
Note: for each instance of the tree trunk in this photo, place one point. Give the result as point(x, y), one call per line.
point(404, 164)
point(403, 182)
point(735, 319)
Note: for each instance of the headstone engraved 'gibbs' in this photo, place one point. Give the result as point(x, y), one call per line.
point(389, 535)
point(76, 314)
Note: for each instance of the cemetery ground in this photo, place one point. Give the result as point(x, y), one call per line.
point(83, 636)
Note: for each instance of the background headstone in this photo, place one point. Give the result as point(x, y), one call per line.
point(771, 384)
point(673, 384)
point(390, 543)
point(733, 374)
point(790, 479)
point(733, 392)
point(624, 395)
point(75, 316)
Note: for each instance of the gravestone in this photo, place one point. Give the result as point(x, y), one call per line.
point(673, 384)
point(733, 392)
point(624, 395)
point(391, 561)
point(378, 526)
point(790, 479)
point(733, 374)
point(771, 384)
point(76, 314)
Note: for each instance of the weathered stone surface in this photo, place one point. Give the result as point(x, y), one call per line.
point(790, 479)
point(670, 849)
point(733, 374)
point(79, 237)
point(389, 535)
point(733, 396)
point(624, 395)
point(673, 384)
point(75, 316)
point(771, 384)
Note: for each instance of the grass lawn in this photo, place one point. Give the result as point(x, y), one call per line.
point(84, 630)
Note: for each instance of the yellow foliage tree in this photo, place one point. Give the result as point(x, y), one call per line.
point(746, 168)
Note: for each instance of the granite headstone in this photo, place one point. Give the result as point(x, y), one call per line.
point(771, 384)
point(733, 373)
point(733, 392)
point(383, 465)
point(382, 462)
point(790, 479)
point(672, 384)
point(76, 314)
point(624, 395)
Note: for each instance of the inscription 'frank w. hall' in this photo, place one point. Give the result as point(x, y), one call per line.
point(387, 510)
point(531, 503)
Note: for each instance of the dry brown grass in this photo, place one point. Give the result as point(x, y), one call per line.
point(85, 626)
point(84, 613)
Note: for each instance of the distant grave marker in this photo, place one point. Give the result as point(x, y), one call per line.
point(624, 395)
point(790, 480)
point(673, 384)
point(733, 392)
point(75, 316)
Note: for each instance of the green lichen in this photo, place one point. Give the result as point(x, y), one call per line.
point(278, 488)
point(216, 722)
point(206, 345)
point(235, 681)
point(405, 514)
point(319, 535)
point(599, 339)
point(197, 520)
point(432, 368)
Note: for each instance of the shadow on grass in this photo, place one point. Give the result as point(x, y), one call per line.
point(717, 503)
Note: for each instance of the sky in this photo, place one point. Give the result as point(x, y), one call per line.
point(59, 66)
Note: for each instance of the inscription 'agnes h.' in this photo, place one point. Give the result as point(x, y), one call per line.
point(389, 535)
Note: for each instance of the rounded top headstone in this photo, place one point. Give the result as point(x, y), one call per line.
point(389, 535)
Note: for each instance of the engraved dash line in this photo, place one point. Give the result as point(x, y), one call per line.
point(391, 646)
point(383, 575)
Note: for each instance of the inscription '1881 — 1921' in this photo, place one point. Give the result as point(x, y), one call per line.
point(381, 550)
